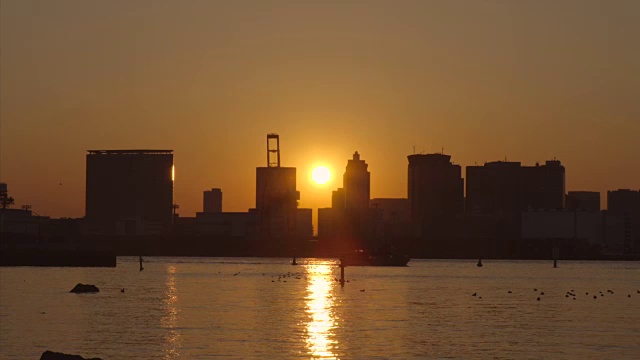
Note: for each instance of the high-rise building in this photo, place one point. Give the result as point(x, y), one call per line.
point(129, 185)
point(347, 224)
point(624, 204)
point(435, 187)
point(276, 202)
point(357, 184)
point(543, 185)
point(337, 199)
point(583, 200)
point(212, 201)
point(509, 187)
point(394, 215)
point(393, 209)
point(276, 188)
point(494, 187)
point(275, 185)
point(623, 201)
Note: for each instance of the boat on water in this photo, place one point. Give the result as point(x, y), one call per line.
point(364, 258)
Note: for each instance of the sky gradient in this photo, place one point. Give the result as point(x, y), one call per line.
point(485, 80)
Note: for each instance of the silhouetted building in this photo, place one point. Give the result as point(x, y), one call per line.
point(348, 224)
point(563, 224)
point(357, 184)
point(338, 200)
point(583, 200)
point(508, 187)
point(22, 223)
point(340, 230)
point(625, 204)
point(326, 227)
point(218, 227)
point(435, 187)
point(394, 218)
point(578, 233)
point(544, 185)
point(212, 201)
point(396, 210)
point(304, 224)
point(129, 186)
point(276, 203)
point(623, 201)
point(276, 188)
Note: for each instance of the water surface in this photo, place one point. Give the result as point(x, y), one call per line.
point(265, 308)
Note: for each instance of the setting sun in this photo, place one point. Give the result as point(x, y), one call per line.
point(320, 175)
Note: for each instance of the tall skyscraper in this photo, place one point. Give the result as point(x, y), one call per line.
point(212, 201)
point(435, 187)
point(509, 187)
point(357, 183)
point(346, 225)
point(129, 185)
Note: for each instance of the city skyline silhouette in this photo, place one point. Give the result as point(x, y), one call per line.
point(528, 81)
point(502, 209)
point(440, 179)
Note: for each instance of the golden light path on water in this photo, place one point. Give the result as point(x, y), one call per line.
point(320, 307)
point(169, 321)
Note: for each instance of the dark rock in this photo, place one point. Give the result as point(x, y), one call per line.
point(50, 355)
point(84, 288)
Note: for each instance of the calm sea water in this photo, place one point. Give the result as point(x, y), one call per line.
point(238, 308)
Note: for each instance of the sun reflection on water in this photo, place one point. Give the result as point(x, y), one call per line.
point(320, 307)
point(170, 319)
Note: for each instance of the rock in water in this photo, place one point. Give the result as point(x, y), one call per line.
point(50, 355)
point(84, 288)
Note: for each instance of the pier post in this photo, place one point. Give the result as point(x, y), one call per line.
point(341, 274)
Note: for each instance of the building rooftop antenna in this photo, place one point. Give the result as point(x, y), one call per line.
point(273, 150)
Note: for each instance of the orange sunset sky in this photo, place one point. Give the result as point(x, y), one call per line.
point(525, 80)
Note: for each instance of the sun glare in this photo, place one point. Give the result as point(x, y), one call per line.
point(321, 174)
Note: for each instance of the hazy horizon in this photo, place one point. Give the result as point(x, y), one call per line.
point(528, 80)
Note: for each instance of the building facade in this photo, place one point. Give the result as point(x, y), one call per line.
point(435, 187)
point(276, 188)
point(583, 200)
point(508, 187)
point(623, 201)
point(129, 185)
point(357, 184)
point(212, 201)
